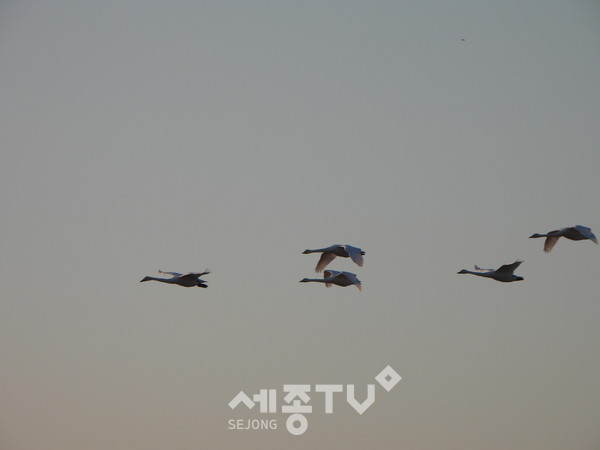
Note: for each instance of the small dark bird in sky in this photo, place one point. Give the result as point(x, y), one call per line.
point(187, 280)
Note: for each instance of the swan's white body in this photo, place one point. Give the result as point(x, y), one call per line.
point(187, 280)
point(338, 278)
point(329, 254)
point(576, 233)
point(503, 273)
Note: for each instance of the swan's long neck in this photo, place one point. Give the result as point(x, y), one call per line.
point(315, 280)
point(537, 235)
point(317, 250)
point(479, 274)
point(162, 280)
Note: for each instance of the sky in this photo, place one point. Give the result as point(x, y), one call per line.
point(232, 135)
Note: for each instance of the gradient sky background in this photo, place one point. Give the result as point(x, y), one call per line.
point(181, 135)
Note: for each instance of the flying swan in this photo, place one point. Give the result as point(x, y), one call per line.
point(329, 254)
point(503, 273)
point(338, 278)
point(576, 233)
point(187, 280)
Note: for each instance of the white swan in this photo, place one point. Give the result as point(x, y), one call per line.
point(576, 233)
point(503, 273)
point(187, 280)
point(329, 254)
point(334, 277)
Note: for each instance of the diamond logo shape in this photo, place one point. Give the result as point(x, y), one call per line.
point(388, 378)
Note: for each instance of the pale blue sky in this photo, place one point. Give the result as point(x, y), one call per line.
point(232, 135)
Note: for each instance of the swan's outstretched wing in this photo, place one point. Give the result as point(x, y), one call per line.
point(190, 276)
point(351, 278)
point(173, 274)
point(479, 269)
point(324, 260)
point(508, 268)
point(550, 242)
point(355, 254)
point(199, 274)
point(586, 232)
point(330, 274)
